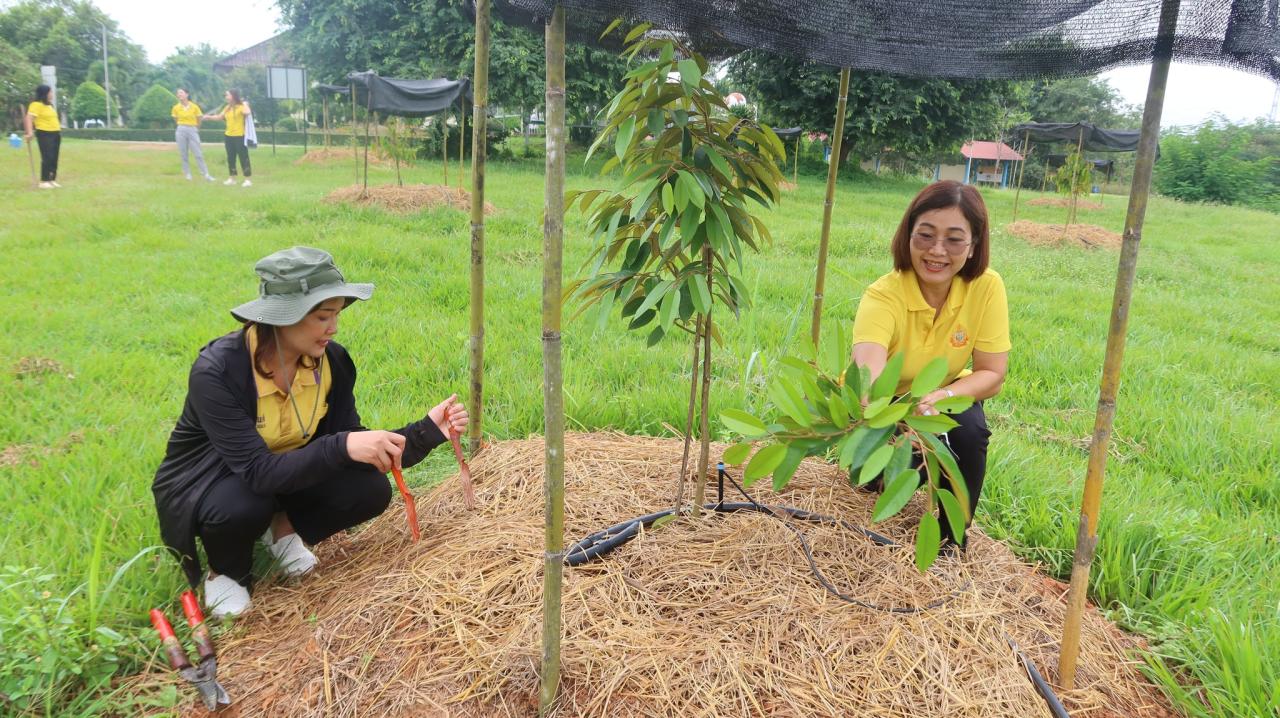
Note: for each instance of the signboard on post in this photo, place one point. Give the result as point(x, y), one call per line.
point(49, 76)
point(287, 83)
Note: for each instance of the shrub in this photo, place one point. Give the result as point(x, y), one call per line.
point(89, 103)
point(154, 109)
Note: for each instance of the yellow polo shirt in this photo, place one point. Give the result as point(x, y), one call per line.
point(235, 120)
point(277, 421)
point(894, 314)
point(189, 115)
point(46, 118)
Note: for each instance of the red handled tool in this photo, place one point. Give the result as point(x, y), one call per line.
point(203, 676)
point(464, 472)
point(409, 507)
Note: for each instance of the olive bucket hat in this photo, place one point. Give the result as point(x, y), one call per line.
point(292, 282)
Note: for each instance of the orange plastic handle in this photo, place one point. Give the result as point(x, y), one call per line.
point(409, 507)
point(161, 624)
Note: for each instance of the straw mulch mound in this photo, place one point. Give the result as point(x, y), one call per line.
point(337, 155)
point(1089, 236)
point(786, 186)
point(407, 199)
point(1063, 202)
point(718, 616)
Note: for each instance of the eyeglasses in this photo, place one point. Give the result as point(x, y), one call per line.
point(925, 242)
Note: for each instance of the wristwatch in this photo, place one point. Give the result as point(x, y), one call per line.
point(949, 393)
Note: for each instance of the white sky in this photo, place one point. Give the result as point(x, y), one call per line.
point(1195, 91)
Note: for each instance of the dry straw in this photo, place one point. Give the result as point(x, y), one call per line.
point(718, 616)
point(1088, 236)
point(406, 199)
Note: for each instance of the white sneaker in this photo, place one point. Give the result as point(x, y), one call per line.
point(210, 178)
point(247, 183)
point(294, 557)
point(224, 596)
point(46, 185)
point(54, 183)
point(188, 178)
point(230, 181)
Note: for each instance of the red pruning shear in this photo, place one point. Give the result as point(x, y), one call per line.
point(203, 676)
point(464, 473)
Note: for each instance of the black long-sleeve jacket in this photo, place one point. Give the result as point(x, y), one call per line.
point(216, 440)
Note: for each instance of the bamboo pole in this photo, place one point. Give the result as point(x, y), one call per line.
point(1026, 138)
point(1087, 533)
point(688, 419)
point(552, 390)
point(1075, 196)
point(367, 113)
point(462, 133)
point(444, 146)
point(355, 151)
point(480, 96)
point(795, 164)
point(324, 100)
point(833, 169)
point(395, 150)
point(704, 423)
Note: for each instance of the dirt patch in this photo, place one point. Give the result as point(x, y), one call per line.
point(30, 454)
point(1063, 202)
point(1090, 236)
point(338, 155)
point(38, 366)
point(406, 199)
point(715, 616)
point(786, 186)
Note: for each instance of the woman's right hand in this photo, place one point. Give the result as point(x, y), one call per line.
point(380, 448)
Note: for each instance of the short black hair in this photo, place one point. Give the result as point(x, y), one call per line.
point(42, 93)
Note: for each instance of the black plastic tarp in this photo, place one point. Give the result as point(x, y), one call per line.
point(334, 89)
point(1096, 139)
point(408, 98)
point(789, 133)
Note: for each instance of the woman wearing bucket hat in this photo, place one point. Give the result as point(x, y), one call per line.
point(269, 439)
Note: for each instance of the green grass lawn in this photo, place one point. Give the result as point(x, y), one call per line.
point(121, 276)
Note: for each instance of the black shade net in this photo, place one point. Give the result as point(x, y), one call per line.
point(408, 98)
point(947, 38)
point(1089, 136)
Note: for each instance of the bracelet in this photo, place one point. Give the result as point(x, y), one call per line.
point(950, 393)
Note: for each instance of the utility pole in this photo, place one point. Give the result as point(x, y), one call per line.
point(106, 73)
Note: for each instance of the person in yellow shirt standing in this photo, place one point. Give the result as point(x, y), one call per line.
point(234, 113)
point(187, 115)
point(941, 300)
point(42, 123)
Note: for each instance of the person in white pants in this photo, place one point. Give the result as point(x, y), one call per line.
point(187, 115)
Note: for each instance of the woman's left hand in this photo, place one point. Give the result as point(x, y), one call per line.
point(450, 416)
point(925, 407)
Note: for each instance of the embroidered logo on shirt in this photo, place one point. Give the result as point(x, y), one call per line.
point(262, 422)
point(959, 338)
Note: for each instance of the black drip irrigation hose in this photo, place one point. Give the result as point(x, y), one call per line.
point(601, 542)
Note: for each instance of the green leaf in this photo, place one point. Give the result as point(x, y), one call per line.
point(625, 132)
point(763, 463)
point(956, 514)
point(848, 445)
point(655, 295)
point(898, 491)
point(720, 164)
point(612, 26)
point(657, 121)
point(681, 118)
point(692, 189)
point(901, 458)
point(668, 197)
point(737, 453)
point(833, 352)
point(787, 398)
point(887, 383)
point(782, 475)
point(837, 411)
point(654, 337)
point(740, 422)
point(953, 404)
point(662, 521)
point(670, 307)
point(875, 464)
point(875, 407)
point(690, 73)
point(701, 295)
point(930, 377)
point(938, 424)
point(636, 32)
point(952, 470)
point(852, 379)
point(927, 540)
point(889, 416)
point(870, 441)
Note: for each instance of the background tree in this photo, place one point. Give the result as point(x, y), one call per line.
point(154, 108)
point(916, 118)
point(89, 103)
point(1080, 99)
point(18, 80)
point(191, 67)
point(1222, 162)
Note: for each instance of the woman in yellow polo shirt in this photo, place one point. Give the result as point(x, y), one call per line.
point(941, 300)
point(270, 439)
point(187, 115)
point(42, 122)
point(234, 113)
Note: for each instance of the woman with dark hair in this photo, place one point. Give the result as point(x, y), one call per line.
point(941, 300)
point(234, 113)
point(269, 439)
point(186, 114)
point(42, 123)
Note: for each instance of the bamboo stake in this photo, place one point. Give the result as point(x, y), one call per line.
point(395, 150)
point(1087, 533)
point(444, 146)
point(795, 165)
point(480, 96)
point(688, 419)
point(833, 169)
point(355, 151)
point(552, 390)
point(1026, 138)
point(324, 100)
point(704, 427)
point(462, 133)
point(1075, 196)
point(367, 113)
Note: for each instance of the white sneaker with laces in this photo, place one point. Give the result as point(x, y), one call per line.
point(247, 183)
point(294, 556)
point(230, 181)
point(224, 596)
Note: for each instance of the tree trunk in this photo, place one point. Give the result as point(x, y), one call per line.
point(833, 171)
point(688, 419)
point(480, 96)
point(704, 428)
point(553, 398)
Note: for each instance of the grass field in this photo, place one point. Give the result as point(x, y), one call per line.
point(113, 283)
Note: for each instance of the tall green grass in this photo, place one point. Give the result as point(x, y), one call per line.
point(123, 275)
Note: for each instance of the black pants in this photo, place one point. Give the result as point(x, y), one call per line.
point(236, 148)
point(231, 517)
point(968, 443)
point(50, 143)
